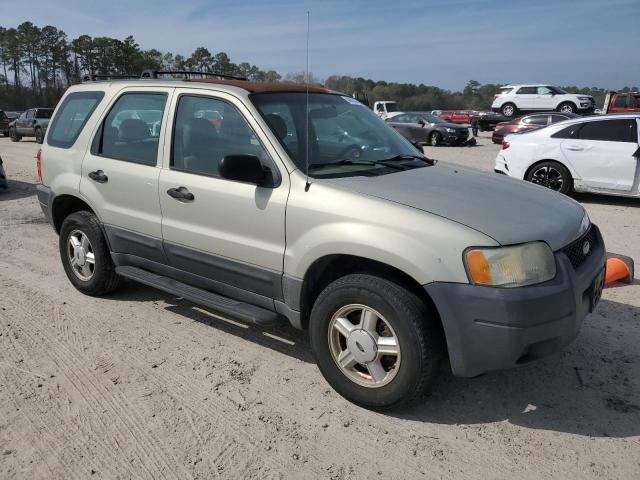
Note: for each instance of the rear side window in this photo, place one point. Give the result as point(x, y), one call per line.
point(44, 112)
point(131, 130)
point(610, 131)
point(536, 120)
point(72, 117)
point(557, 118)
point(621, 101)
point(527, 91)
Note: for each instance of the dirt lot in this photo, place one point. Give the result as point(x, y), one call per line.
point(145, 385)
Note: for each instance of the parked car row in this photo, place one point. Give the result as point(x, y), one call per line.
point(31, 123)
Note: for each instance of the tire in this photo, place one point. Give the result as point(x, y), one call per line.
point(102, 278)
point(406, 376)
point(39, 136)
point(567, 107)
point(508, 110)
point(14, 136)
point(435, 139)
point(552, 175)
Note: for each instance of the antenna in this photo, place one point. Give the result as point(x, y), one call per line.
point(306, 157)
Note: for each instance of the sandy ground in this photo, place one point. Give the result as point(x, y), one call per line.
point(141, 384)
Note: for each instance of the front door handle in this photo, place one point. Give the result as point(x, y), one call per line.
point(181, 193)
point(575, 148)
point(98, 176)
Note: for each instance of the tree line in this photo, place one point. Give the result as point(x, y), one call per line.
point(38, 64)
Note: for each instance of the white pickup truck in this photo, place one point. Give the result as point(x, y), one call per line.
point(384, 109)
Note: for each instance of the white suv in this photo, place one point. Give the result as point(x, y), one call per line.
point(390, 260)
point(513, 99)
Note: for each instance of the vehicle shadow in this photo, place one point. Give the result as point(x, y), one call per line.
point(17, 189)
point(592, 388)
point(282, 338)
point(601, 199)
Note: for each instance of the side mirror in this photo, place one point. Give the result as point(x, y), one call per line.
point(244, 168)
point(421, 122)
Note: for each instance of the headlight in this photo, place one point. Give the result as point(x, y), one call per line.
point(584, 225)
point(451, 130)
point(514, 266)
point(584, 98)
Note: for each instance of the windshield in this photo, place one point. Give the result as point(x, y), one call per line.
point(341, 129)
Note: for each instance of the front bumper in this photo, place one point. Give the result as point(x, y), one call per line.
point(455, 138)
point(495, 328)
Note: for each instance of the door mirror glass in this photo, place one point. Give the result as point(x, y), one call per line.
point(244, 168)
point(421, 122)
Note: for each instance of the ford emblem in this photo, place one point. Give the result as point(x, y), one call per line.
point(586, 247)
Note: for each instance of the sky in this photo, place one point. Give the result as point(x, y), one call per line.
point(444, 43)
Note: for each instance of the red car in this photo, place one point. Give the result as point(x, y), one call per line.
point(458, 116)
point(528, 122)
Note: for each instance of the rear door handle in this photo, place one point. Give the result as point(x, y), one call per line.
point(181, 193)
point(98, 176)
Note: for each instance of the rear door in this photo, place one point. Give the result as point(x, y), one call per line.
point(603, 153)
point(120, 172)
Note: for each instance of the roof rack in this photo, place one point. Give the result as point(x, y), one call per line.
point(106, 76)
point(188, 73)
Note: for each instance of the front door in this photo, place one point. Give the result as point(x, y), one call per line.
point(603, 153)
point(227, 231)
point(25, 119)
point(120, 172)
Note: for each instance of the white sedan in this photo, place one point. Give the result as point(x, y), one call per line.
point(599, 154)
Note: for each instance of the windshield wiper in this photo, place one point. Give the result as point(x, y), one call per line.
point(407, 157)
point(347, 161)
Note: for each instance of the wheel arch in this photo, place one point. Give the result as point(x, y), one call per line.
point(329, 268)
point(63, 206)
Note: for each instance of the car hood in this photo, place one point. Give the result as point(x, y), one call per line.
point(508, 210)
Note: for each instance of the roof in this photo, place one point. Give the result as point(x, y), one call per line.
point(264, 87)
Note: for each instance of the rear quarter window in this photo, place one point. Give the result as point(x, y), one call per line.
point(71, 118)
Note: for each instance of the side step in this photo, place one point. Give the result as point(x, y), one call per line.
point(223, 305)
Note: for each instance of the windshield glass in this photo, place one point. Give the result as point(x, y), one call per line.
point(341, 129)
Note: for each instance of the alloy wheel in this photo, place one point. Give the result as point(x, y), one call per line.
point(364, 346)
point(549, 177)
point(81, 256)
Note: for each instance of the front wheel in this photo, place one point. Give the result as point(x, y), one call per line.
point(551, 175)
point(14, 135)
point(375, 342)
point(85, 255)
point(567, 107)
point(434, 139)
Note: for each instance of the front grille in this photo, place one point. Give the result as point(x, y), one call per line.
point(574, 251)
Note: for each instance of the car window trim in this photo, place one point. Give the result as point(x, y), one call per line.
point(96, 143)
point(275, 171)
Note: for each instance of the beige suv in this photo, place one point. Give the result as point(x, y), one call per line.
point(269, 203)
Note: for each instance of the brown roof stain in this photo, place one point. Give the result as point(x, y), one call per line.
point(263, 87)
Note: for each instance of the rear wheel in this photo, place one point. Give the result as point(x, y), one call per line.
point(85, 255)
point(508, 110)
point(375, 342)
point(39, 135)
point(551, 175)
point(434, 139)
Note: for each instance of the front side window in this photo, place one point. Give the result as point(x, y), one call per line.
point(30, 114)
point(71, 118)
point(345, 137)
point(131, 130)
point(206, 131)
point(610, 131)
point(544, 91)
